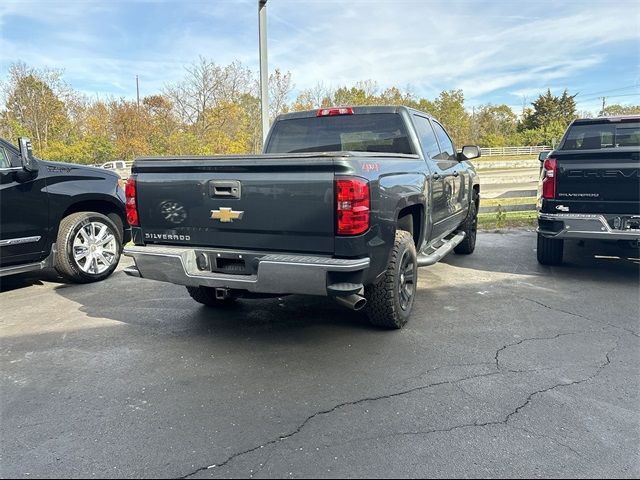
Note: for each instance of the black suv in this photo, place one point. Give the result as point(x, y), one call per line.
point(60, 215)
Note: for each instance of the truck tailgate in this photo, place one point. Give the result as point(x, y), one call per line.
point(276, 203)
point(599, 179)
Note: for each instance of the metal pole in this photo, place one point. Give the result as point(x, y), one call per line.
point(137, 92)
point(264, 71)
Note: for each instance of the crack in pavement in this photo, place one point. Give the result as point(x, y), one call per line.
point(504, 421)
point(331, 410)
point(517, 410)
point(519, 342)
point(435, 369)
point(603, 322)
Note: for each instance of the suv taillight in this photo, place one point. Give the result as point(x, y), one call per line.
point(352, 203)
point(130, 204)
point(549, 179)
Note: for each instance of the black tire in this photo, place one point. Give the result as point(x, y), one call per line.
point(67, 261)
point(470, 228)
point(389, 302)
point(550, 250)
point(207, 296)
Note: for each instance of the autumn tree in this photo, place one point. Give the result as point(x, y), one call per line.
point(493, 125)
point(207, 86)
point(34, 105)
point(449, 109)
point(280, 86)
point(318, 96)
point(612, 110)
point(548, 108)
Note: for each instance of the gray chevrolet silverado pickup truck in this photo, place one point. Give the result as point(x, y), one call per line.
point(345, 202)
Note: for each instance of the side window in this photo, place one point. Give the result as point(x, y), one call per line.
point(4, 159)
point(427, 137)
point(446, 145)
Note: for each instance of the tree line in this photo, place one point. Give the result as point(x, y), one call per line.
point(215, 109)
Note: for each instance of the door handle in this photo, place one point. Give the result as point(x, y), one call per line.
point(225, 189)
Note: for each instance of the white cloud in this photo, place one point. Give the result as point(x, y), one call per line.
point(474, 47)
point(516, 48)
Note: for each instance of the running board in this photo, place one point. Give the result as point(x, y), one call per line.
point(30, 267)
point(441, 252)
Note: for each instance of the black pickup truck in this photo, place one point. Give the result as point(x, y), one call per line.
point(60, 215)
point(345, 202)
point(590, 186)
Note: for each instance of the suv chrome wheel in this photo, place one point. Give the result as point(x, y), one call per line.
point(95, 248)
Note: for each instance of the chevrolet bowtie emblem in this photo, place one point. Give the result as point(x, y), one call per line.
point(226, 215)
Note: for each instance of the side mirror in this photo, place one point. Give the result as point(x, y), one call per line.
point(469, 152)
point(542, 156)
point(26, 155)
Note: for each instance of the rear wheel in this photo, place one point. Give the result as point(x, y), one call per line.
point(389, 302)
point(470, 228)
point(549, 250)
point(207, 296)
point(88, 247)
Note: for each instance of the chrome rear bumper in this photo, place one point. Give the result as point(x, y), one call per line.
point(583, 226)
point(276, 273)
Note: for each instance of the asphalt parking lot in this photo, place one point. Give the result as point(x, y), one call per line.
point(507, 369)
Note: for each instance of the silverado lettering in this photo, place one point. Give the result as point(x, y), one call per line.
point(166, 236)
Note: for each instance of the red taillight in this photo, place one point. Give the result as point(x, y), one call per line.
point(330, 112)
point(549, 178)
point(130, 204)
point(352, 201)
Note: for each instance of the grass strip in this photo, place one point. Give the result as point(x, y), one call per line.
point(494, 202)
point(498, 220)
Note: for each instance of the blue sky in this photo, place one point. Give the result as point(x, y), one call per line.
point(498, 52)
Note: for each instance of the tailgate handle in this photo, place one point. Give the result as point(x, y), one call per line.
point(224, 188)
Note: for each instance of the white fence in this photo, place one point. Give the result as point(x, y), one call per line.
point(501, 151)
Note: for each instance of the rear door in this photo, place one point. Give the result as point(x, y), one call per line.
point(270, 203)
point(440, 191)
point(24, 211)
point(449, 162)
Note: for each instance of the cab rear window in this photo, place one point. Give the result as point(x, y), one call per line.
point(373, 132)
point(602, 135)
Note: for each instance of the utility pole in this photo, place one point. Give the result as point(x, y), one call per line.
point(264, 70)
point(137, 92)
point(603, 100)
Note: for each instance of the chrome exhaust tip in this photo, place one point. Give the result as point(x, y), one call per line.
point(354, 301)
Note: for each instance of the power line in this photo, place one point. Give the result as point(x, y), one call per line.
point(591, 97)
point(625, 95)
point(607, 91)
